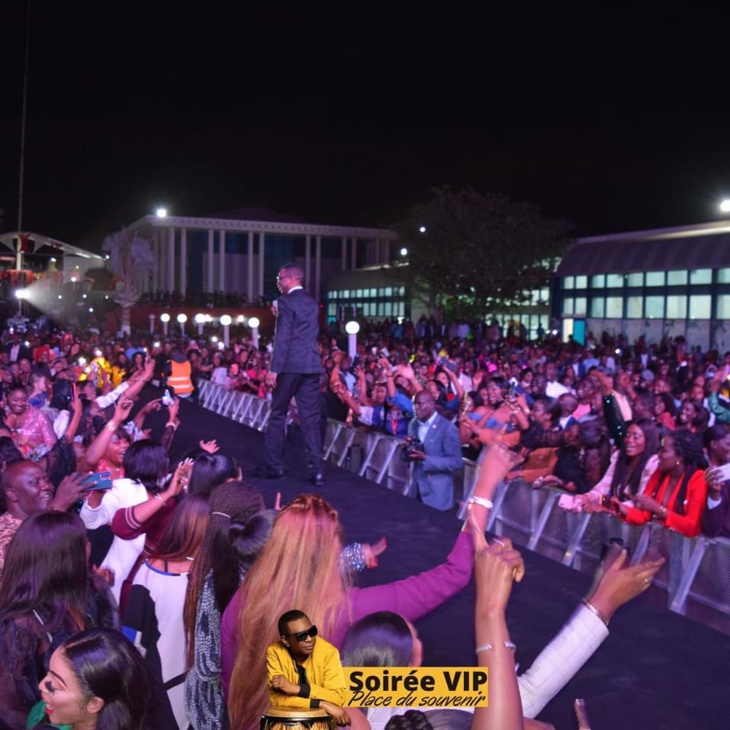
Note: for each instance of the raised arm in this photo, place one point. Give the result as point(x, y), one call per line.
point(496, 567)
point(98, 446)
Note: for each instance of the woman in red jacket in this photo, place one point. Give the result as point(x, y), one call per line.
point(676, 492)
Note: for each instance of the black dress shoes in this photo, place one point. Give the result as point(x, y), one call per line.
point(317, 479)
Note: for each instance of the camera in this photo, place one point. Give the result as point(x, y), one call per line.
point(408, 447)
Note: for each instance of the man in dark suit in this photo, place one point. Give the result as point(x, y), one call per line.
point(295, 370)
point(17, 350)
point(434, 464)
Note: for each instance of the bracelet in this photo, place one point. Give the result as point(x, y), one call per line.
point(482, 502)
point(488, 647)
point(595, 611)
point(111, 426)
point(157, 496)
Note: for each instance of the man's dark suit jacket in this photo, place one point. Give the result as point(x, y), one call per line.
point(297, 327)
point(23, 352)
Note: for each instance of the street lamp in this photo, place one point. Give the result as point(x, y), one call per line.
point(165, 319)
point(404, 251)
point(200, 320)
point(352, 328)
point(181, 319)
point(226, 322)
point(161, 212)
point(253, 323)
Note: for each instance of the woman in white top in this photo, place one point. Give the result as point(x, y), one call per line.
point(629, 469)
point(153, 617)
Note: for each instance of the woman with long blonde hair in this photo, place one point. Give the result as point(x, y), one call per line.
point(300, 568)
point(308, 528)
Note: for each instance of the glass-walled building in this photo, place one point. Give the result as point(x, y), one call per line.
point(663, 283)
point(368, 293)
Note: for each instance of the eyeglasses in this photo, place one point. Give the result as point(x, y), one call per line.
point(304, 635)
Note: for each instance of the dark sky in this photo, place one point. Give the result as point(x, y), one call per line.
point(615, 119)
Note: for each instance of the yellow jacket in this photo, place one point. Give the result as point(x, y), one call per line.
point(324, 674)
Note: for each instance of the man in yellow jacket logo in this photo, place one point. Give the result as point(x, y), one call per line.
point(304, 671)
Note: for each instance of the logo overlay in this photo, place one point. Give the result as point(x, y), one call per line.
point(417, 687)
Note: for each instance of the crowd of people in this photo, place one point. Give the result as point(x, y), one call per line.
point(136, 591)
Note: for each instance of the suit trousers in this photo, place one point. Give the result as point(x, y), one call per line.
point(304, 387)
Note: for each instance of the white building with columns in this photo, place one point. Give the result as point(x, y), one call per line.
point(242, 251)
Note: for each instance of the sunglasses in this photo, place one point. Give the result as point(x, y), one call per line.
point(304, 635)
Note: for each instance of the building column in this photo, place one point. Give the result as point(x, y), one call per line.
point(222, 261)
point(386, 251)
point(210, 285)
point(183, 261)
point(344, 253)
point(353, 257)
point(318, 268)
point(162, 260)
point(155, 262)
point(249, 266)
point(262, 256)
point(307, 256)
point(171, 260)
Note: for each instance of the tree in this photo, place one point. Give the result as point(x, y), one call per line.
point(129, 257)
point(472, 254)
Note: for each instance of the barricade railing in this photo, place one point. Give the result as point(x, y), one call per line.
point(696, 573)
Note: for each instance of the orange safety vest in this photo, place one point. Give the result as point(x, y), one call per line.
point(179, 377)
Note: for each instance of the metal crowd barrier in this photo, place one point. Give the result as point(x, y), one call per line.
point(696, 575)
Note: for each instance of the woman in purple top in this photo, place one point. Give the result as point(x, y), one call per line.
point(300, 567)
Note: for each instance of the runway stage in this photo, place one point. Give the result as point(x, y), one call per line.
point(656, 669)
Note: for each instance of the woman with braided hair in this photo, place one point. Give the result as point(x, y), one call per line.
point(676, 492)
point(238, 527)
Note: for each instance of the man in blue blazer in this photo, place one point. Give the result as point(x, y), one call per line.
point(433, 467)
point(294, 373)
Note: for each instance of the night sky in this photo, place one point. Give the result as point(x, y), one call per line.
point(614, 119)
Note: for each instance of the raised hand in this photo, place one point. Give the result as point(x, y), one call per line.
point(496, 568)
point(210, 446)
point(618, 583)
point(373, 551)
